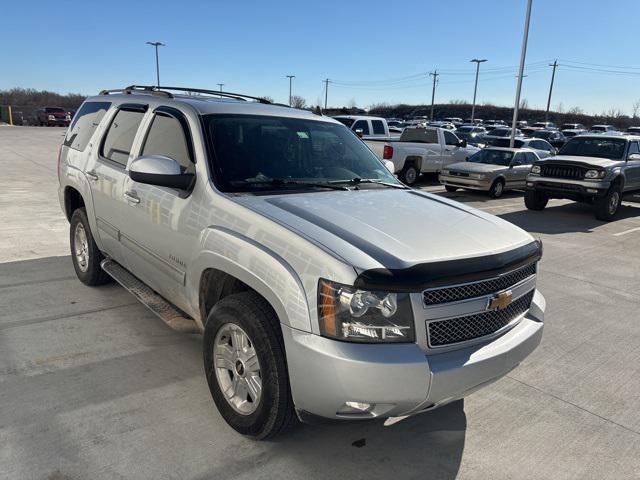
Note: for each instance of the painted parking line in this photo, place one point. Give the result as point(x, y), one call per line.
point(519, 204)
point(631, 230)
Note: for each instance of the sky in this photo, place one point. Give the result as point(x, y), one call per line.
point(372, 51)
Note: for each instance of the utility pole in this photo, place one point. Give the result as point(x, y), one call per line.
point(220, 85)
point(156, 45)
point(326, 92)
point(435, 76)
point(290, 77)
point(553, 76)
point(475, 89)
point(523, 55)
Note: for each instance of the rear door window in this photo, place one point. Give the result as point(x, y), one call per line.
point(167, 137)
point(119, 138)
point(84, 124)
point(450, 138)
point(362, 125)
point(378, 127)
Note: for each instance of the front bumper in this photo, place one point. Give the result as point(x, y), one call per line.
point(400, 379)
point(564, 188)
point(465, 182)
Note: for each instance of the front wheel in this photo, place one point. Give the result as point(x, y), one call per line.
point(497, 189)
point(450, 189)
point(605, 208)
point(245, 366)
point(535, 200)
point(409, 175)
point(85, 254)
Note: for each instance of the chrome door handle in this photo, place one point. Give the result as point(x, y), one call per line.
point(92, 176)
point(131, 197)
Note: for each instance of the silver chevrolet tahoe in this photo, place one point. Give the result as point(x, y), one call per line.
point(324, 288)
point(596, 169)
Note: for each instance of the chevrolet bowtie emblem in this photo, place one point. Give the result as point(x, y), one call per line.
point(500, 301)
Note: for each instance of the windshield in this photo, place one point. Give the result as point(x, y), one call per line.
point(506, 142)
point(492, 157)
point(265, 153)
point(612, 148)
point(544, 135)
point(503, 132)
point(345, 121)
point(54, 110)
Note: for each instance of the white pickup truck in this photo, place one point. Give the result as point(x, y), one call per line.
point(421, 150)
point(368, 127)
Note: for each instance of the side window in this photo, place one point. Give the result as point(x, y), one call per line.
point(362, 125)
point(378, 127)
point(518, 159)
point(530, 158)
point(119, 138)
point(167, 137)
point(633, 148)
point(84, 124)
point(450, 138)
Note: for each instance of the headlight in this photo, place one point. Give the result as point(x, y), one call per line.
point(352, 315)
point(51, 117)
point(595, 174)
point(536, 169)
point(445, 172)
point(477, 176)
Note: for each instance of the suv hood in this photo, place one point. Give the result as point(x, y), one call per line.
point(389, 228)
point(587, 161)
point(473, 167)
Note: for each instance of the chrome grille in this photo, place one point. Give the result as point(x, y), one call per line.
point(563, 171)
point(477, 289)
point(455, 330)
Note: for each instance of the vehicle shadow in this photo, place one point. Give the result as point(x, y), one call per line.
point(566, 218)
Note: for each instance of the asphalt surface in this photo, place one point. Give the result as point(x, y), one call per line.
point(94, 386)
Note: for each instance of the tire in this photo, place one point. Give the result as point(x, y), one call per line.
point(248, 314)
point(85, 254)
point(450, 188)
point(535, 200)
point(605, 208)
point(497, 188)
point(409, 174)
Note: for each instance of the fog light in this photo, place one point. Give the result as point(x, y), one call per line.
point(355, 408)
point(592, 190)
point(529, 184)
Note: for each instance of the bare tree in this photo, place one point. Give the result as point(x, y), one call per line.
point(560, 108)
point(298, 102)
point(524, 104)
point(636, 108)
point(268, 98)
point(352, 103)
point(458, 101)
point(575, 111)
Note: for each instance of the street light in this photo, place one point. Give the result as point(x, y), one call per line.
point(290, 77)
point(156, 45)
point(475, 89)
point(523, 55)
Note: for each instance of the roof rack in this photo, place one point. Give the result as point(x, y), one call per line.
point(162, 90)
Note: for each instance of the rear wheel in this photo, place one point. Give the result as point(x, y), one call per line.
point(450, 188)
point(497, 189)
point(605, 208)
point(409, 174)
point(535, 200)
point(85, 254)
point(245, 366)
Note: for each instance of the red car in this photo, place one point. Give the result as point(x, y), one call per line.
point(53, 116)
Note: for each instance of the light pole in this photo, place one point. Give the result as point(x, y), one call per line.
point(290, 77)
point(523, 55)
point(220, 85)
point(475, 89)
point(156, 45)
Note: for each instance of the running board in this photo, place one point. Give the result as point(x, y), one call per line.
point(169, 314)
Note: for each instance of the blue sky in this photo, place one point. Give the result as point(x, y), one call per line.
point(373, 51)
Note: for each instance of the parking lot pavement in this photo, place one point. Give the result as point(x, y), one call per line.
point(92, 385)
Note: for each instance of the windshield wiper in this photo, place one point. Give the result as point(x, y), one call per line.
point(357, 181)
point(302, 183)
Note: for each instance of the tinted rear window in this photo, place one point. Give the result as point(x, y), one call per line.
point(346, 121)
point(419, 135)
point(85, 123)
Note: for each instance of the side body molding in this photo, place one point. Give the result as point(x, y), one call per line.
point(257, 266)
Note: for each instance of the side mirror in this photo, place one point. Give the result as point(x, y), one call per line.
point(462, 143)
point(634, 156)
point(390, 166)
point(359, 132)
point(160, 171)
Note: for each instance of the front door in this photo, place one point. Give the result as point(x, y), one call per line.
point(632, 170)
point(156, 239)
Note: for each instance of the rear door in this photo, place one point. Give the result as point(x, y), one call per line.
point(520, 166)
point(156, 237)
point(378, 129)
point(632, 170)
point(106, 174)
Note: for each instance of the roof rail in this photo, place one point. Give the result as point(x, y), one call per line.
point(162, 90)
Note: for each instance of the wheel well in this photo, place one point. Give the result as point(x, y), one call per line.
point(214, 286)
point(72, 201)
point(619, 180)
point(498, 179)
point(413, 160)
